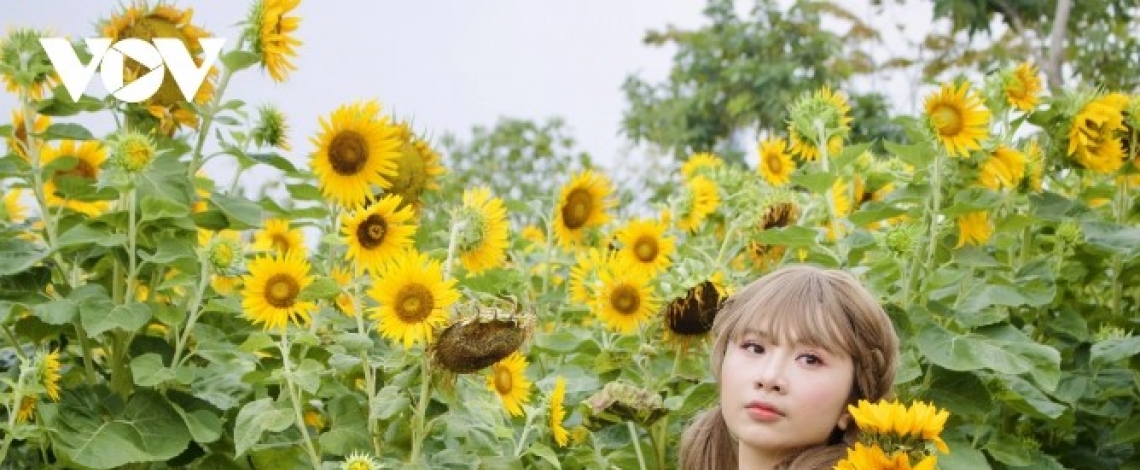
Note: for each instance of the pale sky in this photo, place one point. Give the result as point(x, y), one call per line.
point(449, 64)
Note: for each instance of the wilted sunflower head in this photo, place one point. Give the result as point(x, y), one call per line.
point(618, 402)
point(779, 209)
point(26, 64)
point(476, 342)
point(692, 314)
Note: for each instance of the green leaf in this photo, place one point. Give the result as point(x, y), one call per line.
point(1008, 450)
point(95, 429)
point(1126, 432)
point(100, 315)
point(155, 208)
point(793, 236)
point(1124, 241)
point(57, 312)
point(240, 212)
point(348, 428)
point(353, 342)
point(16, 255)
point(962, 457)
point(238, 60)
point(1024, 397)
point(256, 418)
point(546, 453)
point(84, 234)
point(816, 182)
point(62, 131)
point(305, 192)
point(307, 376)
point(1112, 350)
point(389, 401)
point(148, 370)
point(962, 393)
point(322, 288)
point(917, 155)
point(274, 160)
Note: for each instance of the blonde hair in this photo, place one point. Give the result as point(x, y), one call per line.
point(824, 308)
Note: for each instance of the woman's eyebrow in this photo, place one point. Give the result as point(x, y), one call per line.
point(759, 334)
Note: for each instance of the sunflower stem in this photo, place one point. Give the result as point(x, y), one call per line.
point(193, 312)
point(369, 378)
point(636, 444)
point(523, 436)
point(294, 397)
point(421, 410)
point(452, 247)
point(208, 119)
point(1121, 210)
point(935, 206)
point(14, 408)
point(33, 152)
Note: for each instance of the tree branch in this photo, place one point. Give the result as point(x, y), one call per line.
point(1052, 69)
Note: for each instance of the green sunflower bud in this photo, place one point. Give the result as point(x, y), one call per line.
point(1070, 232)
point(133, 152)
point(618, 402)
point(271, 128)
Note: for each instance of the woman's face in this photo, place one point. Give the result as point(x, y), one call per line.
point(778, 398)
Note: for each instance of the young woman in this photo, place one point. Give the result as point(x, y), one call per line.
point(791, 351)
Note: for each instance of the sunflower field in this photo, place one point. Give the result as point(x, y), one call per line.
point(379, 315)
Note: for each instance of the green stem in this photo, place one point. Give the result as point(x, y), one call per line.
point(935, 206)
point(193, 312)
point(1121, 210)
point(522, 438)
point(421, 411)
point(208, 118)
point(369, 373)
point(14, 408)
point(294, 397)
point(636, 444)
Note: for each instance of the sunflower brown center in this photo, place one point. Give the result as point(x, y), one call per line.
point(281, 242)
point(413, 303)
point(947, 119)
point(775, 165)
point(281, 290)
point(1016, 89)
point(348, 152)
point(625, 299)
point(503, 380)
point(82, 169)
point(371, 231)
point(646, 248)
point(576, 211)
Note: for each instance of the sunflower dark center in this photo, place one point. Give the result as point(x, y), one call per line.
point(503, 380)
point(281, 242)
point(775, 165)
point(371, 231)
point(281, 290)
point(646, 248)
point(348, 152)
point(413, 303)
point(576, 211)
point(82, 169)
point(625, 299)
point(947, 119)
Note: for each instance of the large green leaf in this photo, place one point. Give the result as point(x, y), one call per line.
point(256, 418)
point(348, 427)
point(16, 255)
point(99, 315)
point(95, 429)
point(241, 213)
point(1114, 349)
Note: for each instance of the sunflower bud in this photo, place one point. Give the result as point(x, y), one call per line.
point(133, 152)
point(225, 254)
point(271, 128)
point(902, 239)
point(618, 402)
point(360, 461)
point(1069, 232)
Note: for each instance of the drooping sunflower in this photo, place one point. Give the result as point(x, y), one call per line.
point(508, 381)
point(645, 248)
point(691, 314)
point(167, 105)
point(270, 33)
point(89, 157)
point(473, 343)
point(357, 148)
point(700, 199)
point(959, 118)
point(277, 236)
point(272, 290)
point(1003, 169)
point(21, 50)
point(378, 233)
point(1034, 166)
point(825, 107)
point(417, 168)
point(776, 166)
point(414, 298)
point(1094, 139)
point(780, 210)
point(49, 374)
point(625, 300)
point(1022, 87)
point(974, 228)
point(699, 162)
point(482, 243)
point(13, 210)
point(27, 408)
point(582, 204)
point(557, 413)
point(19, 140)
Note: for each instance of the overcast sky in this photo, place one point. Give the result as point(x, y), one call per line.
point(448, 64)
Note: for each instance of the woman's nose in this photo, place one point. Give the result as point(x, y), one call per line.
point(770, 373)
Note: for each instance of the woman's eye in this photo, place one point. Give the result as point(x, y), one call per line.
point(811, 359)
point(755, 348)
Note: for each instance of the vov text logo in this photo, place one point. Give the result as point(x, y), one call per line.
point(110, 59)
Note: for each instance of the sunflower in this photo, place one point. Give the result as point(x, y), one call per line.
point(21, 50)
point(271, 35)
point(823, 107)
point(974, 228)
point(1034, 166)
point(557, 413)
point(272, 290)
point(378, 233)
point(534, 236)
point(776, 166)
point(27, 408)
point(1022, 87)
point(645, 248)
point(356, 149)
point(277, 236)
point(699, 162)
point(164, 21)
point(626, 299)
point(581, 205)
point(49, 374)
point(483, 239)
point(509, 382)
point(13, 210)
point(19, 140)
point(691, 314)
point(360, 461)
point(1093, 135)
point(225, 285)
point(839, 198)
point(919, 421)
point(89, 157)
point(417, 168)
point(414, 298)
point(700, 198)
point(344, 301)
point(780, 211)
point(1004, 169)
point(862, 457)
point(958, 118)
